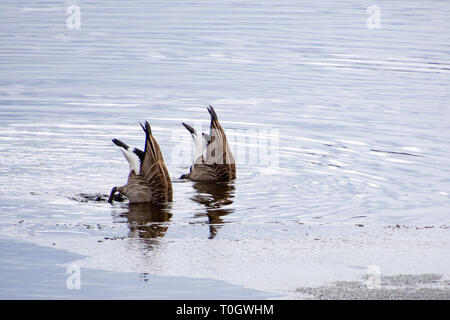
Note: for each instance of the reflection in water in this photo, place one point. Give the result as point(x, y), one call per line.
point(147, 221)
point(214, 196)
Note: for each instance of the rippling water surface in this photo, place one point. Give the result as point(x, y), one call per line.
point(355, 119)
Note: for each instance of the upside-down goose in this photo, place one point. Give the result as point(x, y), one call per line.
point(213, 160)
point(148, 180)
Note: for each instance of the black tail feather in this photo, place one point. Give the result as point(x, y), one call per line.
point(189, 128)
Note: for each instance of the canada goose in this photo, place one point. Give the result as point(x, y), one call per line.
point(213, 160)
point(149, 180)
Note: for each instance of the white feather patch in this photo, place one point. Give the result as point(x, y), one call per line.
point(132, 158)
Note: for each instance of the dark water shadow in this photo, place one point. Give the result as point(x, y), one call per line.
point(147, 222)
point(96, 197)
point(215, 197)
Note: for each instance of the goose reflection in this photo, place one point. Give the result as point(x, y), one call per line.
point(215, 197)
point(147, 221)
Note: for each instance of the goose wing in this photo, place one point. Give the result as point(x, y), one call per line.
point(154, 170)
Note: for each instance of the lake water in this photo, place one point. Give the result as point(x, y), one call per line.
point(340, 131)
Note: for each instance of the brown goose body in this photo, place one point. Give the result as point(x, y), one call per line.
point(149, 180)
point(218, 163)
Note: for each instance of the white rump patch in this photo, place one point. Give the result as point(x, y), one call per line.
point(132, 158)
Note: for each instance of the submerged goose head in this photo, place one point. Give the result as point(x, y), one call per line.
point(148, 179)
